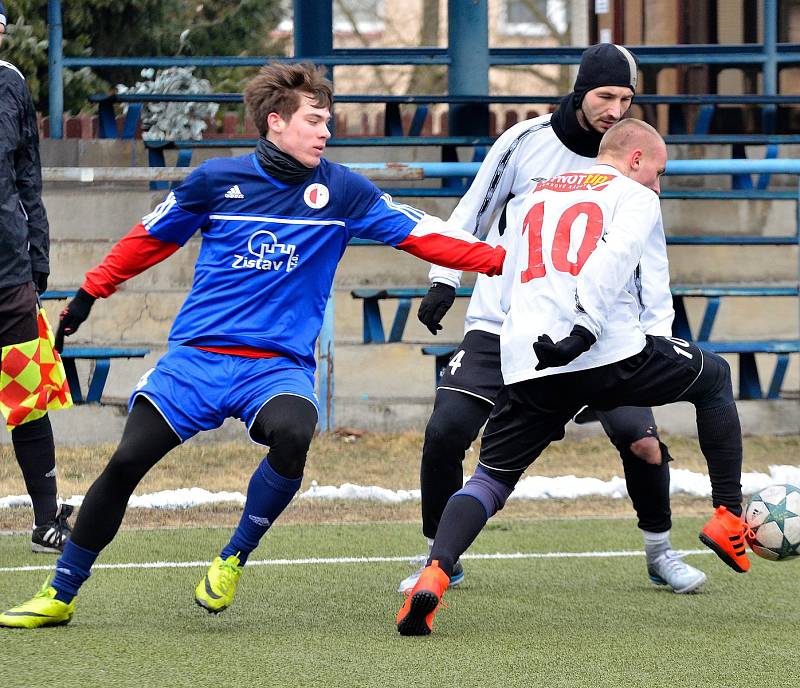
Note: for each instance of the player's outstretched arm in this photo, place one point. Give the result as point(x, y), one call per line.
point(487, 195)
point(413, 231)
point(434, 240)
point(131, 255)
point(72, 316)
point(160, 233)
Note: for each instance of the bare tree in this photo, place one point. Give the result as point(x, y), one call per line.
point(562, 82)
point(432, 79)
point(347, 12)
point(428, 79)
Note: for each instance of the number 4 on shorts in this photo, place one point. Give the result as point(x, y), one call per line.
point(455, 362)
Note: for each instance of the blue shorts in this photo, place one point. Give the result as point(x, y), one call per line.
point(197, 390)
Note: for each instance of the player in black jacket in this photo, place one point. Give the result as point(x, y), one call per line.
point(24, 247)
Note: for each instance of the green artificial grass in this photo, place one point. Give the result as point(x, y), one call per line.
point(546, 622)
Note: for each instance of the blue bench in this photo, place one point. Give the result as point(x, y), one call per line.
point(373, 323)
point(749, 380)
point(713, 295)
point(102, 364)
point(374, 332)
point(100, 355)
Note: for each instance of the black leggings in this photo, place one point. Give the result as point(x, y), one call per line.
point(286, 423)
point(454, 425)
point(147, 437)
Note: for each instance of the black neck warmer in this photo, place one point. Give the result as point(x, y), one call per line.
point(280, 165)
point(565, 124)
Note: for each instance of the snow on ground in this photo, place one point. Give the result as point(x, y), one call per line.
point(531, 487)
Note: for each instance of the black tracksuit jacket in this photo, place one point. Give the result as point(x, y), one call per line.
point(24, 233)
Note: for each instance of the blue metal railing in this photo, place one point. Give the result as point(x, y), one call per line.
point(313, 42)
point(674, 167)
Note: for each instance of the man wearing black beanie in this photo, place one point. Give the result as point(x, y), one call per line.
point(603, 92)
point(530, 151)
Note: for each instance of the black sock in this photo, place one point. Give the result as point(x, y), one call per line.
point(36, 456)
point(720, 437)
point(462, 520)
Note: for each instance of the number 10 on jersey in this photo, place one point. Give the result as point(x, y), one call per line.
point(533, 226)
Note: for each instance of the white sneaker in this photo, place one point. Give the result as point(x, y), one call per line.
point(407, 584)
point(669, 569)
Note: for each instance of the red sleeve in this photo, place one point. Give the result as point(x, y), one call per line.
point(474, 256)
point(131, 255)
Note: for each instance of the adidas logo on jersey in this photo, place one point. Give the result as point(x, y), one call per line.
point(234, 192)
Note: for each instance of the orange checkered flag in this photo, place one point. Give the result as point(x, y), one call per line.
point(32, 378)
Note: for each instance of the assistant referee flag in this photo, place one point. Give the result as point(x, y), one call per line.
point(32, 378)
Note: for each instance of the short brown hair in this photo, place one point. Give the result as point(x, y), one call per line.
point(277, 88)
point(628, 133)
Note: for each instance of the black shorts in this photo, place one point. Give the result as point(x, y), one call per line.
point(18, 310)
point(531, 414)
point(474, 368)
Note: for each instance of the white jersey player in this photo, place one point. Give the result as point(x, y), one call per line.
point(523, 156)
point(572, 337)
point(561, 232)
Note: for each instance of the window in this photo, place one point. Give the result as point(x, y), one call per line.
point(366, 15)
point(524, 17)
point(524, 11)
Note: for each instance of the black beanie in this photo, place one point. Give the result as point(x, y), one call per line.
point(605, 64)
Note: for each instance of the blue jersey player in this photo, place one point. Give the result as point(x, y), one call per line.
point(274, 225)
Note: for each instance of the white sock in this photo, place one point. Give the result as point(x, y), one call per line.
point(655, 544)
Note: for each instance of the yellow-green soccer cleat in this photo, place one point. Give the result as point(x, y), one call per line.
point(215, 592)
point(41, 610)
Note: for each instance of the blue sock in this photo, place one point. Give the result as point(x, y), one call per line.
point(267, 496)
point(74, 566)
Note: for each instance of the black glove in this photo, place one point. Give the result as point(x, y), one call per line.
point(552, 355)
point(40, 281)
point(72, 316)
point(435, 304)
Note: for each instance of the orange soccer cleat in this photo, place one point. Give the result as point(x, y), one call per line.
point(725, 534)
point(416, 615)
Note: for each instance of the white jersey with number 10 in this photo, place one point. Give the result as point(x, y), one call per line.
point(579, 238)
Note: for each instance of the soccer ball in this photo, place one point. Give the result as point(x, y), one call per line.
point(773, 515)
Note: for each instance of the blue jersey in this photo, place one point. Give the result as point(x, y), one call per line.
point(269, 250)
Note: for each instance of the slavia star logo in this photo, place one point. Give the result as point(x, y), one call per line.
point(316, 196)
